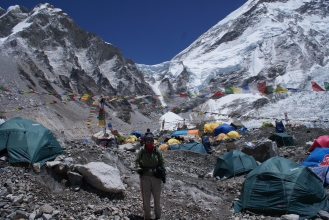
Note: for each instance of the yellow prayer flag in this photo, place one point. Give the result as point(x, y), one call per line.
point(101, 123)
point(280, 89)
point(85, 97)
point(236, 90)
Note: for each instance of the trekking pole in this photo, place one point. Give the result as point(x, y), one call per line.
point(141, 179)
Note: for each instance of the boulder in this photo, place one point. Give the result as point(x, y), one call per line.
point(61, 169)
point(102, 176)
point(51, 164)
point(75, 179)
point(36, 167)
point(323, 214)
point(46, 209)
point(130, 146)
point(290, 217)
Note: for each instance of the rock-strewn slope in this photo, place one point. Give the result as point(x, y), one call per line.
point(189, 192)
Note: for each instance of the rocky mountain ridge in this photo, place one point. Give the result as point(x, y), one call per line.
point(53, 54)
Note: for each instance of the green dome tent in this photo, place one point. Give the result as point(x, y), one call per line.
point(282, 139)
point(28, 142)
point(282, 186)
point(232, 163)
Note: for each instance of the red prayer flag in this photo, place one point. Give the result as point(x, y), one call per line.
point(218, 94)
point(316, 87)
point(261, 86)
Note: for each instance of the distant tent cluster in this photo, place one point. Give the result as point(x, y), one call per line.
point(279, 185)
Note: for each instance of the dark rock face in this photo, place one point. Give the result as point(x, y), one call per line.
point(2, 11)
point(11, 19)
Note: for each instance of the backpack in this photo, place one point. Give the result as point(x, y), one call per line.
point(149, 139)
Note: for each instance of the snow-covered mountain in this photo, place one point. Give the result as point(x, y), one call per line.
point(281, 42)
point(53, 54)
point(278, 41)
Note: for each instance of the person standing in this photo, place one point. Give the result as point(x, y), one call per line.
point(148, 162)
point(206, 143)
point(148, 132)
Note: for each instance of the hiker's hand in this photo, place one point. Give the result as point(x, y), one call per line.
point(140, 171)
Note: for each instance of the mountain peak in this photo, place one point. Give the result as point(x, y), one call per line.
point(17, 9)
point(2, 11)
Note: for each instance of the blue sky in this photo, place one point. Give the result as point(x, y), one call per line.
point(146, 31)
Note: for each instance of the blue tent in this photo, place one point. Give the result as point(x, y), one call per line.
point(223, 128)
point(315, 157)
point(192, 146)
point(180, 132)
point(136, 133)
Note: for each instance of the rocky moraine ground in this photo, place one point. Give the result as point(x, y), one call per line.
point(190, 192)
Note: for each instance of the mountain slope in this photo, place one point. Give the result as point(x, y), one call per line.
point(282, 42)
point(53, 54)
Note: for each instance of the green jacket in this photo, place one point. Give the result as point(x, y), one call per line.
point(148, 161)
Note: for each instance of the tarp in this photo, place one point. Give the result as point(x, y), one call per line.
point(282, 139)
point(233, 163)
point(221, 136)
point(237, 125)
point(191, 146)
point(322, 141)
point(211, 126)
point(131, 139)
point(163, 147)
point(282, 186)
point(28, 141)
point(266, 124)
point(194, 133)
point(224, 128)
point(137, 134)
point(178, 133)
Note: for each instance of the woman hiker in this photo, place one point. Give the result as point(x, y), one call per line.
point(149, 162)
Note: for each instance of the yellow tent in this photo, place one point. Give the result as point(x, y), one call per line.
point(211, 127)
point(173, 141)
point(233, 134)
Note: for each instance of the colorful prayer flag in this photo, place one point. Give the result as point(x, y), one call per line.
point(236, 90)
point(245, 88)
point(218, 94)
point(85, 97)
point(326, 86)
point(316, 87)
point(280, 89)
point(261, 86)
point(269, 90)
point(228, 90)
point(292, 90)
